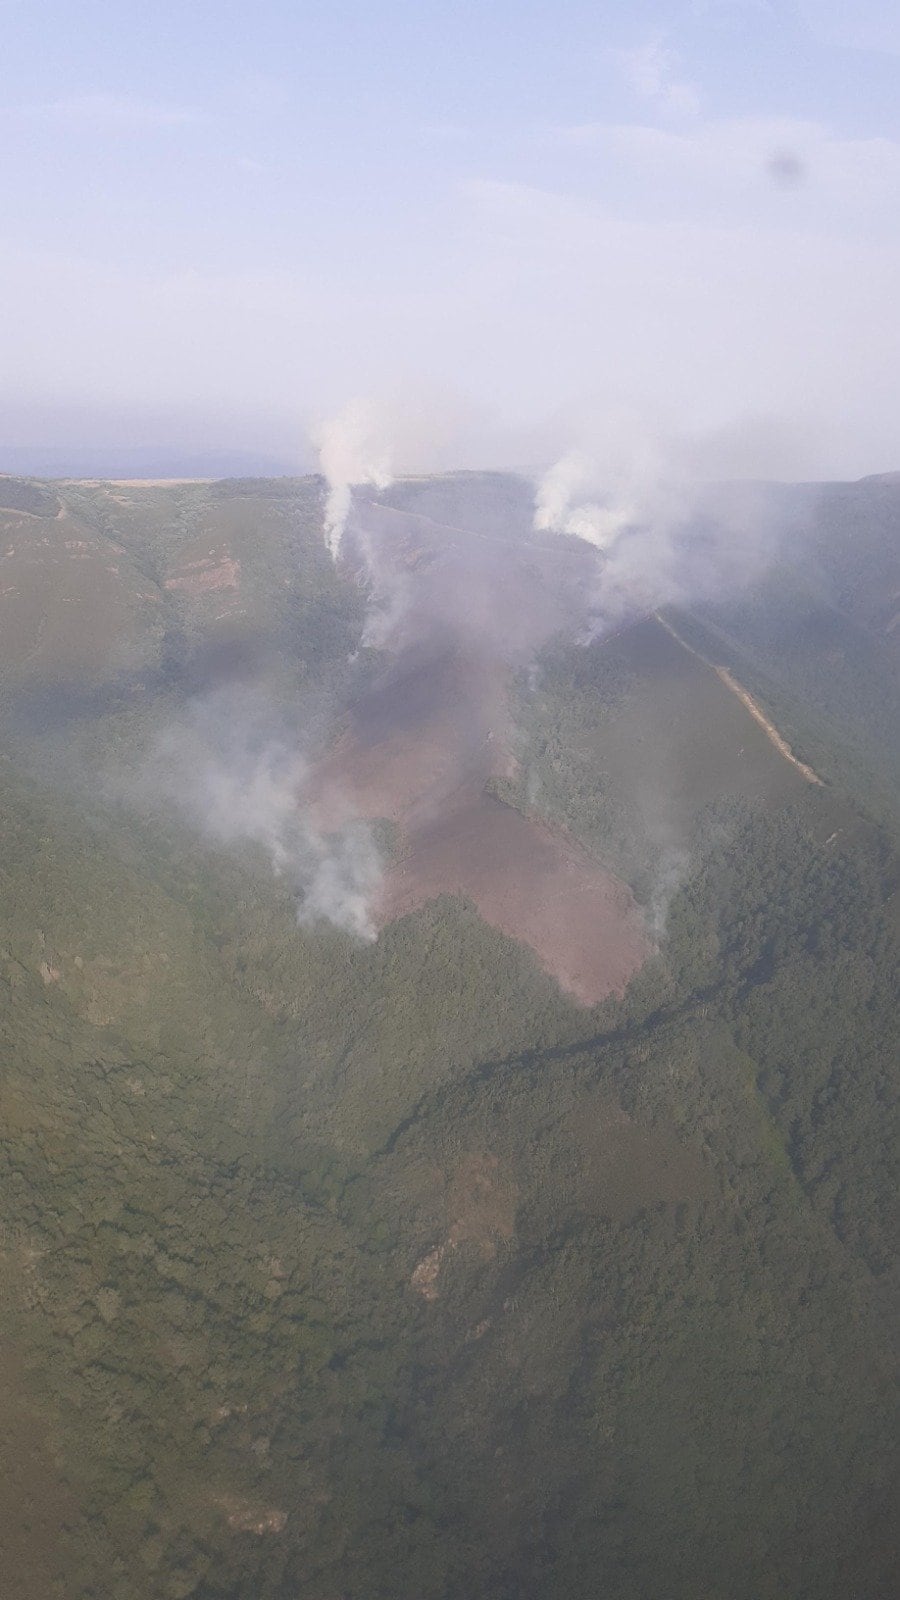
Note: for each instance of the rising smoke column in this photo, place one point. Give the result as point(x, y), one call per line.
point(352, 450)
point(625, 491)
point(651, 501)
point(609, 485)
point(558, 507)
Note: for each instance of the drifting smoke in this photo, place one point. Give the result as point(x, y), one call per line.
point(624, 475)
point(236, 785)
point(664, 533)
point(668, 531)
point(351, 451)
point(560, 509)
point(388, 601)
point(672, 870)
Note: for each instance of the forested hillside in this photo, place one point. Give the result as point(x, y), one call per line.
point(382, 1268)
point(818, 635)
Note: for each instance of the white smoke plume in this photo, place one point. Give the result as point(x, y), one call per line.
point(352, 450)
point(346, 874)
point(663, 531)
point(613, 481)
point(559, 507)
point(236, 784)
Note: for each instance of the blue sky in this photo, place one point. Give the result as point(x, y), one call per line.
point(221, 221)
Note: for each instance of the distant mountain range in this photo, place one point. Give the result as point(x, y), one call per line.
point(141, 461)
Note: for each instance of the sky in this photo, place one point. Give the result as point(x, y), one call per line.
point(220, 222)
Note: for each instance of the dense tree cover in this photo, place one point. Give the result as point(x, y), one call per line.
point(384, 1271)
point(657, 1354)
point(828, 684)
point(26, 494)
point(113, 594)
point(628, 741)
point(816, 635)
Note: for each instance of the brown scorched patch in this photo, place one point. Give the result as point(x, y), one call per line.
point(216, 571)
point(430, 726)
point(431, 733)
point(532, 883)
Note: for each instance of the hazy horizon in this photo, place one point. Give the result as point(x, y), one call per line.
point(217, 235)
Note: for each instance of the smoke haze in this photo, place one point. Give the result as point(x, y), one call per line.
point(237, 780)
point(664, 533)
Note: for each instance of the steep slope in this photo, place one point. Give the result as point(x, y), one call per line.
point(385, 1269)
point(818, 638)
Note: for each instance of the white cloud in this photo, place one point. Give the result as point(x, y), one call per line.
point(651, 71)
point(448, 132)
point(860, 25)
point(113, 110)
point(736, 153)
point(767, 172)
point(696, 288)
point(701, 319)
